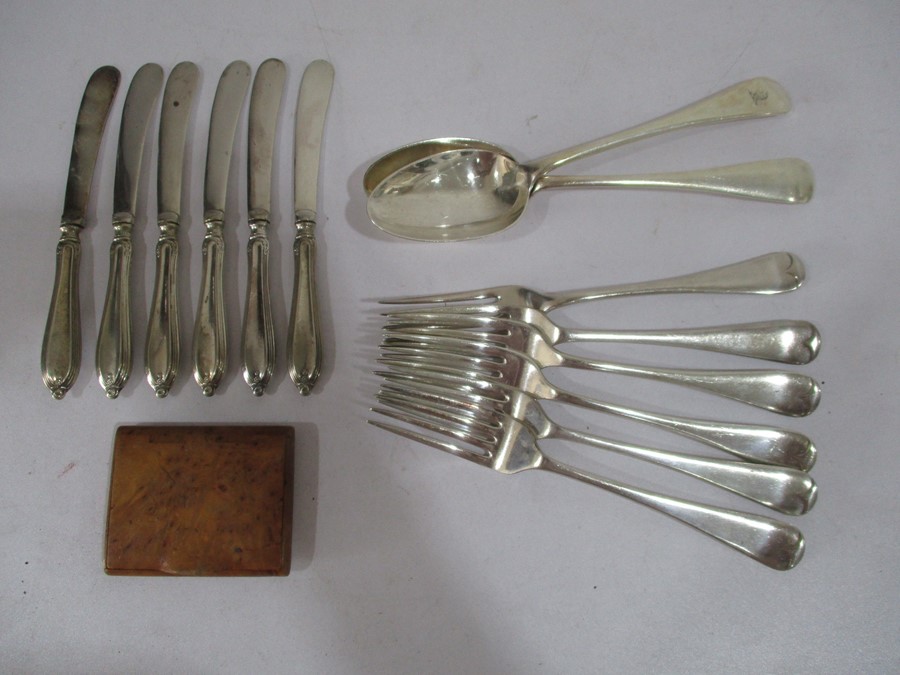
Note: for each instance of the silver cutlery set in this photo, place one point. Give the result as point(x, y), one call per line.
point(60, 355)
point(463, 372)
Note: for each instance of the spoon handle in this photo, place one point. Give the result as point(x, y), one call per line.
point(750, 99)
point(783, 181)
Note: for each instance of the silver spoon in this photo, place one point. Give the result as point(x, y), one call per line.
point(449, 189)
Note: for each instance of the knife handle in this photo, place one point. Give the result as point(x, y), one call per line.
point(163, 348)
point(61, 351)
point(258, 340)
point(114, 340)
point(304, 341)
point(209, 330)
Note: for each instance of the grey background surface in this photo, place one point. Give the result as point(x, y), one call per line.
point(405, 559)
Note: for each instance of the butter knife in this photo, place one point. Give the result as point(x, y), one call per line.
point(209, 328)
point(61, 349)
point(258, 337)
point(114, 340)
point(304, 337)
point(163, 346)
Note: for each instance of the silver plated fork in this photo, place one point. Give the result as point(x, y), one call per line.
point(512, 449)
point(766, 275)
point(780, 391)
point(782, 340)
point(787, 490)
point(768, 445)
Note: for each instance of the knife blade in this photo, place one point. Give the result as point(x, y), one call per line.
point(209, 328)
point(304, 337)
point(163, 345)
point(61, 349)
point(258, 337)
point(114, 339)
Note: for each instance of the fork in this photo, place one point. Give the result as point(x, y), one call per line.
point(787, 490)
point(767, 274)
point(768, 445)
point(779, 391)
point(784, 341)
point(512, 449)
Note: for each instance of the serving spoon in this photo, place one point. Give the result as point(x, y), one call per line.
point(449, 189)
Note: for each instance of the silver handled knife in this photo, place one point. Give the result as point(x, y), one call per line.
point(61, 350)
point(114, 340)
point(163, 346)
point(258, 337)
point(304, 337)
point(209, 328)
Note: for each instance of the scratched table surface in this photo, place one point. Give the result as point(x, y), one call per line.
point(407, 560)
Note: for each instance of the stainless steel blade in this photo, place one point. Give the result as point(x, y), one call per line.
point(113, 354)
point(265, 102)
point(162, 348)
point(210, 348)
point(304, 337)
point(222, 127)
point(258, 334)
point(139, 104)
point(173, 125)
point(92, 115)
point(312, 104)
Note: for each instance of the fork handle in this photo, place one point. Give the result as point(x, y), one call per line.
point(785, 341)
point(790, 491)
point(766, 275)
point(779, 391)
point(773, 543)
point(768, 445)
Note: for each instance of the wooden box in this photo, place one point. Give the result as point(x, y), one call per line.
point(201, 501)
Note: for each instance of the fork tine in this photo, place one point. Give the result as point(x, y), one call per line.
point(446, 377)
point(453, 366)
point(480, 426)
point(445, 393)
point(459, 296)
point(420, 318)
point(483, 441)
point(440, 405)
point(488, 307)
point(469, 351)
point(478, 458)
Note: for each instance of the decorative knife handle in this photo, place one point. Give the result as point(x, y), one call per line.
point(209, 330)
point(163, 347)
point(114, 340)
point(258, 343)
point(61, 351)
point(304, 340)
